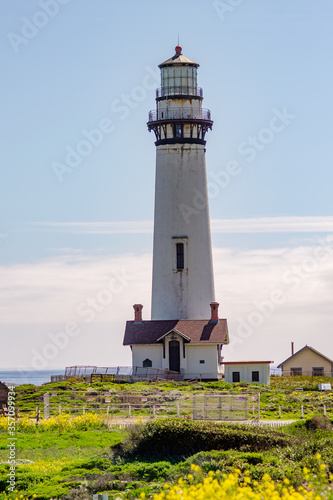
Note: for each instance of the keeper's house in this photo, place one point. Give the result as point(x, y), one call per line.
point(191, 347)
point(307, 361)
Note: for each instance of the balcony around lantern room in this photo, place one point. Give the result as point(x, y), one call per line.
point(179, 90)
point(179, 114)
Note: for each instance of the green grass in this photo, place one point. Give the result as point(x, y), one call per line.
point(51, 463)
point(63, 440)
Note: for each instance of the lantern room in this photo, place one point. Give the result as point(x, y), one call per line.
point(179, 76)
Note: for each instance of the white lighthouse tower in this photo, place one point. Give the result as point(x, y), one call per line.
point(185, 335)
point(183, 284)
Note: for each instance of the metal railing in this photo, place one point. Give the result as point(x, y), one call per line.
point(116, 373)
point(181, 90)
point(80, 370)
point(179, 114)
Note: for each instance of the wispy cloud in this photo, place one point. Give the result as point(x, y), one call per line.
point(41, 297)
point(287, 224)
point(119, 227)
point(284, 224)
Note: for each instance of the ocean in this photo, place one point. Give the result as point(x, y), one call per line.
point(39, 377)
point(35, 377)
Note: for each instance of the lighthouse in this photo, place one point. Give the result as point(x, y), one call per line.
point(185, 333)
point(183, 284)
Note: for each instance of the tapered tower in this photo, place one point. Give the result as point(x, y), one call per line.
point(185, 335)
point(183, 285)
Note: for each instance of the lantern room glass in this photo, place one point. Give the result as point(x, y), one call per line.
point(179, 78)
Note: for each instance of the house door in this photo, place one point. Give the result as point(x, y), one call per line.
point(174, 355)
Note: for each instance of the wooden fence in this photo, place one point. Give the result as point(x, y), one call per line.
point(222, 406)
point(198, 407)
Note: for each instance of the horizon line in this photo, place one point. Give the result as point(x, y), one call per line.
point(279, 224)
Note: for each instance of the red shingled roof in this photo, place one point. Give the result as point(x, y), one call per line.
point(197, 330)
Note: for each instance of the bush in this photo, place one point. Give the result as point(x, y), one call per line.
point(177, 438)
point(155, 471)
point(317, 422)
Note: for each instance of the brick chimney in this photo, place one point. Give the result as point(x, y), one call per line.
point(138, 313)
point(214, 312)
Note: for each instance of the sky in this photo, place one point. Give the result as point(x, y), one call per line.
point(78, 169)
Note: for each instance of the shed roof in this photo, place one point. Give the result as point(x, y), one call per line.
point(247, 362)
point(311, 349)
point(197, 331)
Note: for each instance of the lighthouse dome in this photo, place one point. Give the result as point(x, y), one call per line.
point(178, 58)
point(178, 73)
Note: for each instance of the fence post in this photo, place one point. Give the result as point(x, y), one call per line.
point(129, 410)
point(46, 405)
point(59, 409)
point(302, 411)
point(220, 407)
point(258, 406)
point(279, 411)
point(178, 409)
point(193, 406)
point(325, 410)
point(253, 411)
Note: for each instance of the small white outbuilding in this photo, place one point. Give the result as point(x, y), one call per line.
point(247, 371)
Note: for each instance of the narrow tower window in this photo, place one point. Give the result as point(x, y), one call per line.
point(180, 256)
point(178, 130)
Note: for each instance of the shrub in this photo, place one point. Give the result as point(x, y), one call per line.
point(317, 422)
point(177, 437)
point(144, 471)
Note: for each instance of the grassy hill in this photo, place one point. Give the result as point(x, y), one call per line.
point(73, 456)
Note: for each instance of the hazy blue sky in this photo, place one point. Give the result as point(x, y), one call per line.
point(76, 215)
